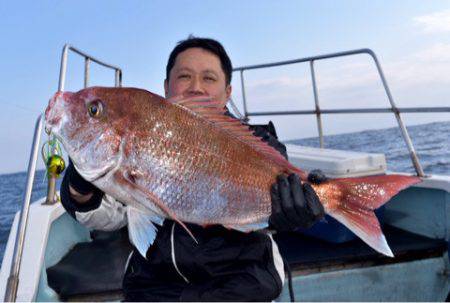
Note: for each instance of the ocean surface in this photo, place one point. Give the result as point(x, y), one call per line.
point(431, 141)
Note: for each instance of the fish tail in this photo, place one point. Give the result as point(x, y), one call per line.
point(357, 200)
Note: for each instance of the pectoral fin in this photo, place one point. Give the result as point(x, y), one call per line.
point(141, 228)
point(129, 179)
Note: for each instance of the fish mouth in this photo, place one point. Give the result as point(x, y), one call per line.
point(51, 123)
point(48, 128)
point(55, 109)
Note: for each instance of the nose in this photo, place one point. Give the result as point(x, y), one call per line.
point(196, 87)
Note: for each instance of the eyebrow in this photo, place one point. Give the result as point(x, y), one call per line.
point(183, 69)
point(210, 71)
point(190, 70)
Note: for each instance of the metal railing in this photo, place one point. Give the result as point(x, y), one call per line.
point(318, 112)
point(13, 279)
point(51, 189)
point(87, 62)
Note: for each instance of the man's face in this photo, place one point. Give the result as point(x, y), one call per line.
point(197, 72)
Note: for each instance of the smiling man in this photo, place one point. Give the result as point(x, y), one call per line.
point(225, 265)
point(197, 71)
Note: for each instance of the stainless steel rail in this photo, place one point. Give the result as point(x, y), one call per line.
point(13, 279)
point(51, 188)
point(354, 111)
point(318, 112)
point(88, 59)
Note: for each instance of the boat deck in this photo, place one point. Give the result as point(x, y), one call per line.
point(92, 271)
point(308, 255)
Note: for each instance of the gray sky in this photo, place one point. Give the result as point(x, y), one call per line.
point(411, 39)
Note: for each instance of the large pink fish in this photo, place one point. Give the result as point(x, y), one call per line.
point(190, 162)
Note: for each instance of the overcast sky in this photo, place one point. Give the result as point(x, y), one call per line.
point(411, 39)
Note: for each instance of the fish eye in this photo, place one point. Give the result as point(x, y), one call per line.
point(95, 108)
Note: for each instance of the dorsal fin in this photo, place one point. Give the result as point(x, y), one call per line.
point(214, 114)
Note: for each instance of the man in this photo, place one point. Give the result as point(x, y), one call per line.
point(225, 265)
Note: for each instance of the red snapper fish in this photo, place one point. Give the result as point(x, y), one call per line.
point(188, 161)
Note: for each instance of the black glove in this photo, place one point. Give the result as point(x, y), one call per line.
point(73, 179)
point(268, 134)
point(261, 131)
point(294, 204)
point(316, 176)
point(77, 182)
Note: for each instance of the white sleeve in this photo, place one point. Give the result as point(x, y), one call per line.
point(109, 216)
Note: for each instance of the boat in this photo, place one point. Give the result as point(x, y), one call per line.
point(51, 257)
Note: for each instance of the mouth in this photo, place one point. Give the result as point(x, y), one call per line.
point(48, 128)
point(54, 110)
point(51, 119)
point(52, 125)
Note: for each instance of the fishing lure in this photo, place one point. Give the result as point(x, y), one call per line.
point(52, 157)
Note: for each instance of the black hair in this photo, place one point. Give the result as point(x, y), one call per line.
point(207, 44)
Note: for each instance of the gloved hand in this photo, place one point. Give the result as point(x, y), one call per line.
point(86, 197)
point(268, 134)
point(77, 182)
point(295, 204)
point(261, 131)
point(316, 176)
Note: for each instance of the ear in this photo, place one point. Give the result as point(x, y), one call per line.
point(228, 90)
point(166, 88)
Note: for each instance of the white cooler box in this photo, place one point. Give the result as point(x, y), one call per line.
point(336, 163)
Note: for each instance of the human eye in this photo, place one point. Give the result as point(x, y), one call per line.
point(209, 78)
point(184, 76)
